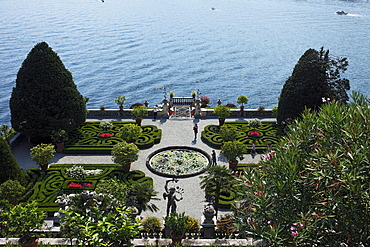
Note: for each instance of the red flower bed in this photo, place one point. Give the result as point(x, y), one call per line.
point(79, 184)
point(255, 133)
point(105, 134)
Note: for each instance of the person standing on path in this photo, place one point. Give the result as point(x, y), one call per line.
point(195, 129)
point(214, 160)
point(155, 111)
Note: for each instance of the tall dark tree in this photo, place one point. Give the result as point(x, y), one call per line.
point(317, 75)
point(45, 97)
point(9, 167)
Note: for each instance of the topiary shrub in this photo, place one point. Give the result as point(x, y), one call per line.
point(11, 190)
point(152, 224)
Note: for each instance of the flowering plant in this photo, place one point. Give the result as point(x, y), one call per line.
point(79, 184)
point(255, 133)
point(106, 125)
point(105, 134)
point(179, 162)
point(204, 101)
point(76, 172)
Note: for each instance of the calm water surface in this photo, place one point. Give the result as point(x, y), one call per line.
point(137, 48)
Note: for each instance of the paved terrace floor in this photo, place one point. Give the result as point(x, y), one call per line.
point(175, 132)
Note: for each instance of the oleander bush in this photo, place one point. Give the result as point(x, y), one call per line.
point(91, 139)
point(261, 136)
point(46, 186)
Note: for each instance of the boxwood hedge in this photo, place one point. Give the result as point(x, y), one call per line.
point(87, 139)
point(211, 134)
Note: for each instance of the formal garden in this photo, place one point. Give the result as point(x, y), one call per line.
point(310, 187)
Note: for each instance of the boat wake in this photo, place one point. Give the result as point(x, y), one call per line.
point(357, 15)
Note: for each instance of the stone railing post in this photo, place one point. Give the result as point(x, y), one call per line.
point(197, 109)
point(208, 224)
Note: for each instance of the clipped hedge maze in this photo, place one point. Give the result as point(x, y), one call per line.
point(48, 185)
point(211, 135)
point(87, 139)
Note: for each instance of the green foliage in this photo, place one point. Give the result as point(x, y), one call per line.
point(233, 150)
point(106, 125)
point(140, 196)
point(178, 223)
point(151, 224)
point(124, 153)
point(228, 133)
point(242, 99)
point(225, 224)
point(11, 190)
point(211, 134)
point(274, 111)
point(130, 132)
point(315, 76)
point(45, 97)
point(255, 123)
point(139, 112)
point(42, 153)
point(314, 190)
point(98, 220)
point(58, 136)
point(120, 100)
point(216, 180)
point(45, 186)
point(9, 166)
point(222, 111)
point(5, 131)
point(194, 225)
point(76, 172)
point(87, 138)
point(22, 219)
point(115, 187)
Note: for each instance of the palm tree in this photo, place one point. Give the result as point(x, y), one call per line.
point(217, 177)
point(140, 195)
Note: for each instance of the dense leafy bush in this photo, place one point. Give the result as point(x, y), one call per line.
point(314, 190)
point(9, 166)
point(45, 98)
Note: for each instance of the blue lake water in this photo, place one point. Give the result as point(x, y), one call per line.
point(137, 48)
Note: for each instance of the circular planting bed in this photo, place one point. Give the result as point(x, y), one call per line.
point(178, 161)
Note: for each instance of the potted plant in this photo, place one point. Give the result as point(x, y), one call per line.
point(233, 151)
point(152, 225)
point(194, 94)
point(120, 100)
point(124, 153)
point(204, 101)
point(130, 132)
point(59, 137)
point(172, 94)
point(178, 224)
point(23, 219)
point(106, 125)
point(222, 112)
point(138, 113)
point(42, 154)
point(11, 190)
point(242, 99)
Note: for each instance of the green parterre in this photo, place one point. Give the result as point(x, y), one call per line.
point(266, 134)
point(90, 138)
point(48, 185)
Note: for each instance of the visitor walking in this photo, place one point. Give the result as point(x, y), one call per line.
point(195, 129)
point(155, 112)
point(214, 160)
point(254, 151)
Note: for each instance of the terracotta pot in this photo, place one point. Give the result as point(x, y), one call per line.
point(44, 167)
point(127, 167)
point(138, 121)
point(176, 239)
point(60, 147)
point(35, 243)
point(221, 121)
point(121, 107)
point(233, 165)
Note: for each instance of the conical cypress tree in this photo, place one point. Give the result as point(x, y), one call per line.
point(314, 77)
point(45, 97)
point(9, 166)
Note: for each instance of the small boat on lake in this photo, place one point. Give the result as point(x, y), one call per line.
point(341, 12)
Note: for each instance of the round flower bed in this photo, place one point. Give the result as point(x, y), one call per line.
point(178, 161)
point(105, 134)
point(255, 134)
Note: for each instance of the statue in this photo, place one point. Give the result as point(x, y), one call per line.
point(171, 194)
